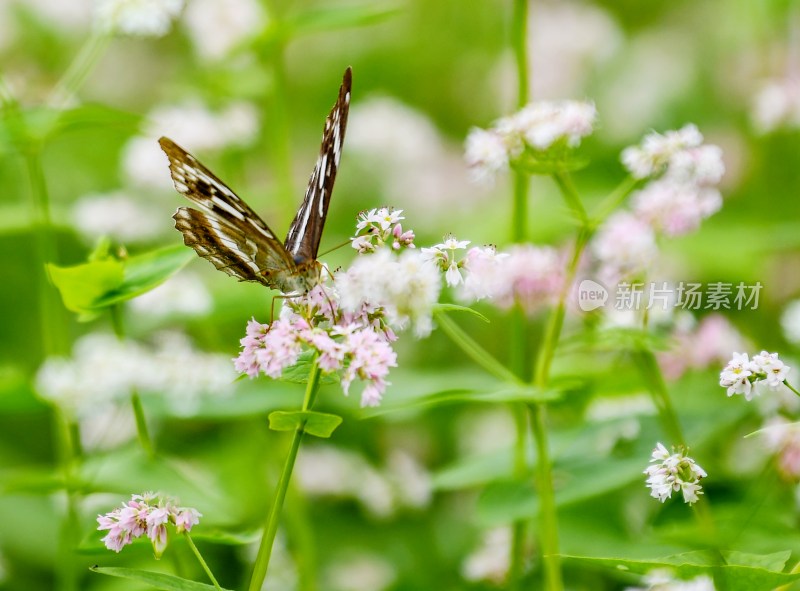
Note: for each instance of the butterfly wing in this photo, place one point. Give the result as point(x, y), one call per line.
point(302, 241)
point(227, 231)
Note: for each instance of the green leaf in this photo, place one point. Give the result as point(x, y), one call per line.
point(145, 271)
point(730, 571)
point(90, 287)
point(503, 394)
point(457, 308)
point(156, 580)
point(299, 372)
point(81, 286)
point(318, 424)
point(341, 17)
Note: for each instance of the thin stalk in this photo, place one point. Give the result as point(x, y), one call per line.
point(271, 529)
point(519, 346)
point(556, 321)
point(141, 425)
point(548, 517)
point(67, 440)
point(474, 350)
point(519, 37)
point(792, 388)
point(614, 199)
point(201, 560)
point(79, 70)
point(570, 194)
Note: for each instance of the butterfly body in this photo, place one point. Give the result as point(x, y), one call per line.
point(228, 233)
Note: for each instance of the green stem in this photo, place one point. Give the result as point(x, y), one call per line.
point(792, 388)
point(614, 200)
point(519, 37)
point(570, 194)
point(548, 517)
point(519, 346)
point(201, 560)
point(141, 425)
point(68, 442)
point(544, 358)
point(271, 529)
point(79, 70)
point(474, 350)
point(52, 327)
point(117, 322)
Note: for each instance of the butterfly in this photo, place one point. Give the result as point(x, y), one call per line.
point(227, 232)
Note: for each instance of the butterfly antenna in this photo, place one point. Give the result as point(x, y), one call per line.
point(337, 247)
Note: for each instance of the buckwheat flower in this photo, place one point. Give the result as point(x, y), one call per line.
point(363, 572)
point(118, 215)
point(481, 268)
point(486, 154)
point(665, 580)
point(378, 227)
point(145, 18)
point(675, 208)
point(700, 346)
point(702, 165)
point(736, 375)
point(490, 562)
point(529, 276)
point(147, 514)
point(184, 295)
point(673, 472)
point(624, 245)
point(744, 376)
point(656, 150)
point(444, 255)
point(774, 370)
point(777, 105)
point(542, 124)
point(216, 28)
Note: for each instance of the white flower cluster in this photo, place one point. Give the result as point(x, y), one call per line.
point(681, 195)
point(777, 105)
point(674, 472)
point(327, 471)
point(744, 376)
point(538, 126)
point(665, 580)
point(190, 124)
point(216, 28)
point(490, 561)
point(381, 226)
point(117, 215)
point(685, 172)
point(104, 371)
point(144, 18)
point(185, 295)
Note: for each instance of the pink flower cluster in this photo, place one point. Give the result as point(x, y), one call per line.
point(146, 514)
point(700, 346)
point(356, 343)
point(783, 439)
point(686, 173)
point(681, 193)
point(525, 275)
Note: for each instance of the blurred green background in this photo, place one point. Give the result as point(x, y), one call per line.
point(407, 497)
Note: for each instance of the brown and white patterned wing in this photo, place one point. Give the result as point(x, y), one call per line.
point(304, 235)
point(227, 231)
